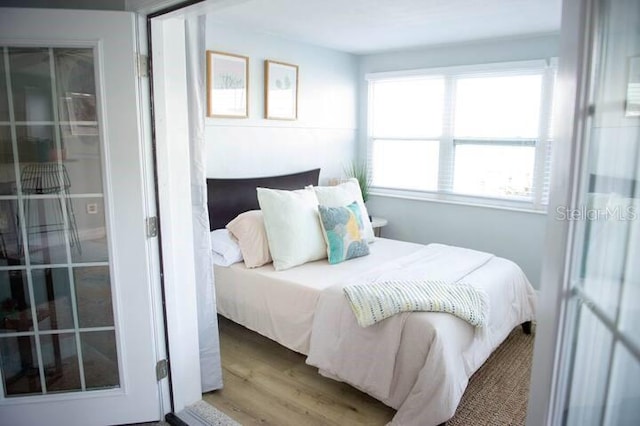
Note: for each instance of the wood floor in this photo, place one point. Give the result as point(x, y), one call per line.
point(267, 384)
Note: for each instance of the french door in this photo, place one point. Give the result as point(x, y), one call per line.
point(76, 321)
point(599, 373)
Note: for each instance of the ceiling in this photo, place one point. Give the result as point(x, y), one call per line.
point(366, 26)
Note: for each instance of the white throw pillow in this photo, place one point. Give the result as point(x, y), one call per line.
point(225, 248)
point(293, 226)
point(343, 195)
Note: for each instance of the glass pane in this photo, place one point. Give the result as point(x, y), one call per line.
point(606, 240)
point(11, 251)
point(82, 163)
point(62, 215)
point(630, 309)
point(19, 366)
point(406, 164)
point(612, 153)
point(45, 225)
point(494, 170)
point(408, 108)
point(93, 296)
point(611, 206)
point(15, 307)
point(76, 88)
point(623, 401)
point(36, 144)
point(31, 84)
point(4, 100)
point(90, 223)
point(52, 295)
point(499, 107)
point(60, 359)
point(7, 170)
point(588, 387)
point(100, 359)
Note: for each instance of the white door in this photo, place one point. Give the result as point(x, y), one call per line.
point(76, 322)
point(600, 369)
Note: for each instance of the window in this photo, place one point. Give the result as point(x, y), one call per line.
point(463, 133)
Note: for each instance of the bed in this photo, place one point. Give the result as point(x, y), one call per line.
point(418, 363)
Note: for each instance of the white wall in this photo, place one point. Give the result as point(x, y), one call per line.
point(332, 109)
point(515, 235)
point(325, 134)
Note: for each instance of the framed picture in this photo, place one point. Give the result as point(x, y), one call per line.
point(281, 91)
point(633, 88)
point(227, 85)
point(83, 119)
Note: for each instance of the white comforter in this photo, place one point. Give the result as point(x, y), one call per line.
point(420, 362)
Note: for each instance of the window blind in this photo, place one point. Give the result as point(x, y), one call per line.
point(478, 131)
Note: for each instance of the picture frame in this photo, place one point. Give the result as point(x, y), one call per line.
point(632, 107)
point(83, 119)
point(280, 90)
point(227, 85)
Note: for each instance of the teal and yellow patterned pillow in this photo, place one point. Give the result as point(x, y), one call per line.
point(343, 232)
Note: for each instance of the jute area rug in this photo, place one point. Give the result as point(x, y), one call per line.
point(498, 392)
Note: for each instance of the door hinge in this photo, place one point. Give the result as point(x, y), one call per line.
point(152, 227)
point(143, 65)
point(162, 369)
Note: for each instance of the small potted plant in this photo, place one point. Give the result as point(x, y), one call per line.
point(360, 171)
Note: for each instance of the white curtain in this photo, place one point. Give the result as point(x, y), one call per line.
point(210, 369)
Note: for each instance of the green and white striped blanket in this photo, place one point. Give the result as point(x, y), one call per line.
point(374, 302)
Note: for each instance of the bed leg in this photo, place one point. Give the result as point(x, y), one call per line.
point(526, 327)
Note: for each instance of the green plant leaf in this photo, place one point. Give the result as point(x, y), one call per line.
point(360, 171)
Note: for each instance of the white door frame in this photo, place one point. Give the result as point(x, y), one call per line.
point(174, 197)
point(571, 95)
point(167, 66)
point(152, 208)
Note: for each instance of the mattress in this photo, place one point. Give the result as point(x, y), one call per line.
point(281, 304)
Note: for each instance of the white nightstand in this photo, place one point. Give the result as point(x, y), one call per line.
point(377, 223)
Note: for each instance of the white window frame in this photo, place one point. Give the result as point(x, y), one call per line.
point(539, 200)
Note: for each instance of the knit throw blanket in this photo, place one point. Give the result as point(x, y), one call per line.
point(374, 302)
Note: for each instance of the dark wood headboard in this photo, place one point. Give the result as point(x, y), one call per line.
point(227, 198)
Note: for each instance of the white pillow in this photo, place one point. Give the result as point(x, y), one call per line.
point(293, 226)
point(248, 228)
point(225, 248)
point(343, 195)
